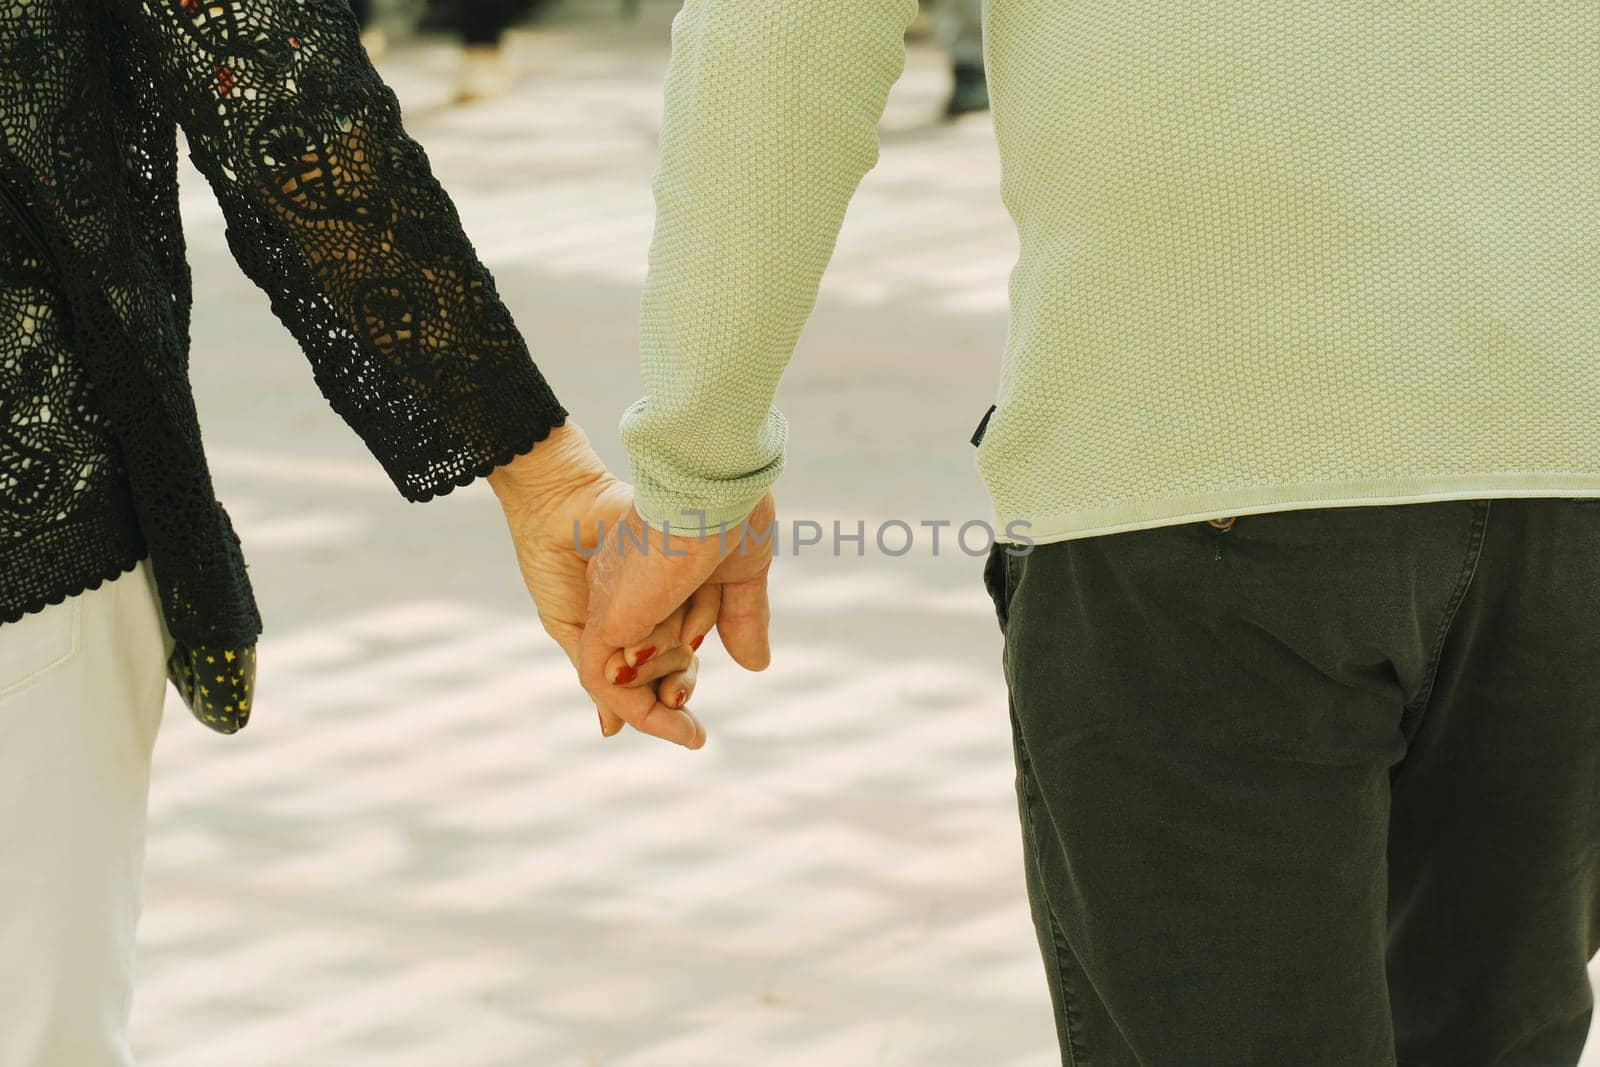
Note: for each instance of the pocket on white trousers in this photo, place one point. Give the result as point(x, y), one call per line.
point(37, 644)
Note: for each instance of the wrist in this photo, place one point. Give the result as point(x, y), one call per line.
point(561, 464)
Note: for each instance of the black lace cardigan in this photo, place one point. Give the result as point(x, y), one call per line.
point(330, 208)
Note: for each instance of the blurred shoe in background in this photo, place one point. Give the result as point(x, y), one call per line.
point(486, 70)
point(969, 93)
point(376, 42)
point(959, 24)
point(485, 73)
point(373, 39)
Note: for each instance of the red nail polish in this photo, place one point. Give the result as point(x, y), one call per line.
point(626, 675)
point(682, 695)
point(695, 644)
point(644, 654)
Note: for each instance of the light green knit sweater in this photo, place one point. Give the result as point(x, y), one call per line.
point(1274, 253)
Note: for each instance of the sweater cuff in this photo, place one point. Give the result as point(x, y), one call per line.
point(667, 492)
point(429, 453)
point(683, 515)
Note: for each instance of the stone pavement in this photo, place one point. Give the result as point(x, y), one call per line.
point(422, 854)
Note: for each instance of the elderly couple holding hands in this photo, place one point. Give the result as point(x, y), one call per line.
point(1299, 410)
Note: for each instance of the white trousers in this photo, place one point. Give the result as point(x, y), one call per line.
point(81, 686)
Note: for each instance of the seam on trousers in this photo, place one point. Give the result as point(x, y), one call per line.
point(1412, 712)
point(1076, 1054)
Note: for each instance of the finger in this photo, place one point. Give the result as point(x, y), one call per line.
point(568, 635)
point(743, 621)
point(645, 713)
point(637, 707)
point(676, 688)
point(625, 664)
point(669, 634)
point(607, 581)
point(677, 725)
point(658, 666)
point(700, 614)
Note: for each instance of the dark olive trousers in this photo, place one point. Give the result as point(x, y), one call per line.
point(1320, 787)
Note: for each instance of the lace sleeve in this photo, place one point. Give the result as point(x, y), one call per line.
point(333, 210)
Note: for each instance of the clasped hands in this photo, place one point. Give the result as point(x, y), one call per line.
point(629, 608)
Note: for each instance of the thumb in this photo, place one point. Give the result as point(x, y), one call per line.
point(616, 619)
point(743, 622)
point(636, 592)
point(623, 622)
point(642, 597)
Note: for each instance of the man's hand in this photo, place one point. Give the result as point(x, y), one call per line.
point(557, 499)
point(636, 590)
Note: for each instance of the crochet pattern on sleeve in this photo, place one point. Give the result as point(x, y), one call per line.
point(330, 208)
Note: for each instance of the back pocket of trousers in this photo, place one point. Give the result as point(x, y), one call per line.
point(36, 644)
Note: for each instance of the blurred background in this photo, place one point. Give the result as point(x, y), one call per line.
point(422, 853)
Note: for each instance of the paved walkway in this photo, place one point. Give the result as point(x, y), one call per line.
point(423, 855)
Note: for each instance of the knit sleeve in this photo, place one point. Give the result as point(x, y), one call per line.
point(771, 121)
point(333, 210)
